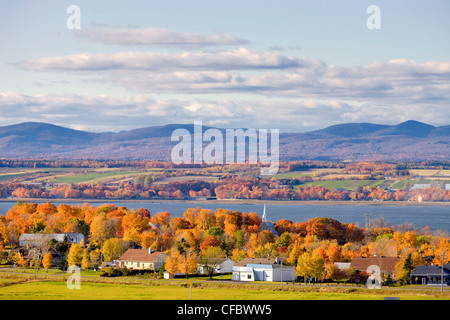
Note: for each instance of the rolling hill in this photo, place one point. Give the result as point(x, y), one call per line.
point(407, 141)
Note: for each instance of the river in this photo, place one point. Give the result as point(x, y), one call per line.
point(435, 217)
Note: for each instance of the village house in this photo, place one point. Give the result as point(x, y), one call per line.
point(264, 269)
point(224, 265)
point(37, 239)
point(142, 259)
point(386, 264)
point(430, 275)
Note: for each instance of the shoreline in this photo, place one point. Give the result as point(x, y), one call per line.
point(243, 201)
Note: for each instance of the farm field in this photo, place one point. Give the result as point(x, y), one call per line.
point(330, 178)
point(58, 290)
point(71, 175)
point(345, 184)
point(95, 177)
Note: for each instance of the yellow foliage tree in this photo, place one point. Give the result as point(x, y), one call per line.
point(47, 261)
point(172, 262)
point(188, 262)
point(75, 255)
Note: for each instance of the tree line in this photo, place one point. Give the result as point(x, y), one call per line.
point(228, 187)
point(312, 246)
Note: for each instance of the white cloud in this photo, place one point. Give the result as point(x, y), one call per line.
point(157, 37)
point(103, 113)
point(239, 59)
point(303, 91)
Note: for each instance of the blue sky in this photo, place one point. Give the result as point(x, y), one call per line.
point(288, 65)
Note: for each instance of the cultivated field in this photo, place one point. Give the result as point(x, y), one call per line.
point(54, 287)
point(331, 178)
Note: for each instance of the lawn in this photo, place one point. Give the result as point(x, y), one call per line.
point(58, 290)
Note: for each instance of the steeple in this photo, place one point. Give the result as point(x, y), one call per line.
point(264, 216)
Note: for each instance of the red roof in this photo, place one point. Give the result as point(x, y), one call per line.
point(141, 255)
point(386, 264)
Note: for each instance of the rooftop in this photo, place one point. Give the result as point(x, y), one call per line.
point(141, 255)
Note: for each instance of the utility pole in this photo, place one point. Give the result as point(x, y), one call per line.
point(36, 253)
point(367, 222)
point(34, 264)
point(281, 275)
point(442, 274)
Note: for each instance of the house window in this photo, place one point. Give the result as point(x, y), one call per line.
point(249, 276)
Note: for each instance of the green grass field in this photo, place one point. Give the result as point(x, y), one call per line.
point(345, 184)
point(53, 286)
point(93, 177)
point(55, 290)
point(401, 184)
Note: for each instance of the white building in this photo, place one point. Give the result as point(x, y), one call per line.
point(142, 259)
point(342, 265)
point(421, 186)
point(223, 266)
point(254, 269)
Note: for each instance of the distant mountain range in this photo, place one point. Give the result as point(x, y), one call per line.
point(407, 141)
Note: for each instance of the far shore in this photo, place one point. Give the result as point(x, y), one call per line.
point(244, 201)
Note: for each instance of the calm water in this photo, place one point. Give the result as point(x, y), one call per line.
point(437, 218)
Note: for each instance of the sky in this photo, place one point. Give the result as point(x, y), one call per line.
point(290, 65)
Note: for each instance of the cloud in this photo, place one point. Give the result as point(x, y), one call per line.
point(239, 59)
point(105, 113)
point(257, 72)
point(157, 37)
point(302, 90)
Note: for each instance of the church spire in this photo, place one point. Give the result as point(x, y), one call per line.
point(264, 216)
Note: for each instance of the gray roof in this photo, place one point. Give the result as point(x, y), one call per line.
point(40, 236)
point(275, 262)
point(430, 270)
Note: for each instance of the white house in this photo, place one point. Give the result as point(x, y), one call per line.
point(75, 237)
point(142, 259)
point(265, 269)
point(421, 186)
point(342, 265)
point(223, 266)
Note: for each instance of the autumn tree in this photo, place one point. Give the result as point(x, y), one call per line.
point(47, 261)
point(188, 262)
point(94, 257)
point(113, 248)
point(85, 262)
point(238, 254)
point(172, 262)
point(75, 255)
point(310, 265)
point(133, 225)
point(102, 228)
point(210, 260)
point(209, 241)
point(403, 269)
